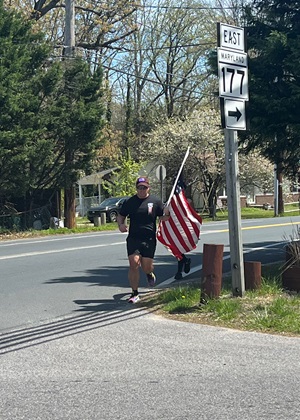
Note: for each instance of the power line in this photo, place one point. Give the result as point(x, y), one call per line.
point(169, 7)
point(200, 44)
point(155, 82)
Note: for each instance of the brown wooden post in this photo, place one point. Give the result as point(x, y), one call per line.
point(212, 271)
point(291, 273)
point(252, 275)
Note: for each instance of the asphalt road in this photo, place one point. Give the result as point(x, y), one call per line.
point(72, 348)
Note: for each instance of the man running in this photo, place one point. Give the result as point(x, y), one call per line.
point(143, 210)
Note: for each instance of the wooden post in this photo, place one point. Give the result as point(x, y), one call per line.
point(252, 275)
point(291, 273)
point(212, 271)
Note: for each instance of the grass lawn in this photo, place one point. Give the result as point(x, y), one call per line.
point(268, 309)
point(256, 213)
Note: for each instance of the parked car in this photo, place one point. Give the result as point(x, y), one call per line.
point(110, 206)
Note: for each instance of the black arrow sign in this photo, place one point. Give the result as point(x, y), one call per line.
point(236, 114)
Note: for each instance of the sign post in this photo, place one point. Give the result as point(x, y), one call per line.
point(160, 175)
point(234, 213)
point(233, 92)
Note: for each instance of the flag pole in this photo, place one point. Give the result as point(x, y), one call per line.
point(178, 175)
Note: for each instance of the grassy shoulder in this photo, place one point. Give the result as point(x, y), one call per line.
point(82, 225)
point(268, 309)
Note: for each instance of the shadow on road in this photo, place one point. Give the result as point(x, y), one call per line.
point(102, 315)
point(107, 305)
point(166, 267)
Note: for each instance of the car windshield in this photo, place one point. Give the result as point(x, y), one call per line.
point(109, 202)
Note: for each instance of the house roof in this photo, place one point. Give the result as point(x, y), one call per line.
point(95, 178)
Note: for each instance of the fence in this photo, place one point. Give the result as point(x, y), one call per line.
point(86, 204)
point(38, 219)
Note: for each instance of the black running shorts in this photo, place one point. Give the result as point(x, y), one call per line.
point(144, 247)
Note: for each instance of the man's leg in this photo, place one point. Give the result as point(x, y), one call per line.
point(147, 267)
point(134, 272)
point(187, 264)
point(181, 263)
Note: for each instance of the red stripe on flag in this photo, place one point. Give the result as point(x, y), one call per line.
point(180, 234)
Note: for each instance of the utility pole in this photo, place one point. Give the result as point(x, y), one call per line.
point(70, 193)
point(69, 28)
point(275, 191)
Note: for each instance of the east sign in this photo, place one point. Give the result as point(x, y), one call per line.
point(231, 37)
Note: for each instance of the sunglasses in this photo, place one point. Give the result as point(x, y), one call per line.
point(141, 187)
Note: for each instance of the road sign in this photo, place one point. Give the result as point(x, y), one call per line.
point(233, 114)
point(233, 74)
point(232, 62)
point(231, 37)
point(232, 57)
point(160, 172)
point(233, 82)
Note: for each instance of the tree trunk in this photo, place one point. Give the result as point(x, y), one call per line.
point(128, 121)
point(70, 220)
point(212, 205)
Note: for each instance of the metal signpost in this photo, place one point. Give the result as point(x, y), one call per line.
point(233, 92)
point(160, 175)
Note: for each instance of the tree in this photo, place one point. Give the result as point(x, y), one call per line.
point(157, 53)
point(48, 110)
point(100, 26)
point(101, 30)
point(75, 123)
point(162, 72)
point(274, 50)
point(124, 178)
point(24, 87)
point(256, 173)
point(230, 11)
point(167, 56)
point(205, 167)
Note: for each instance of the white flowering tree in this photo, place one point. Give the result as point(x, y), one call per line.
point(205, 166)
point(256, 173)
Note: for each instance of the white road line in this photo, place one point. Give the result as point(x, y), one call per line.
point(15, 242)
point(55, 251)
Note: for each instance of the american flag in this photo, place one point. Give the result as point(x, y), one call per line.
point(180, 234)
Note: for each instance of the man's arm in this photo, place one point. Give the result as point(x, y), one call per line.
point(121, 223)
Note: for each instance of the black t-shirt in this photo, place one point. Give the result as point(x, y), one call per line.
point(143, 213)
